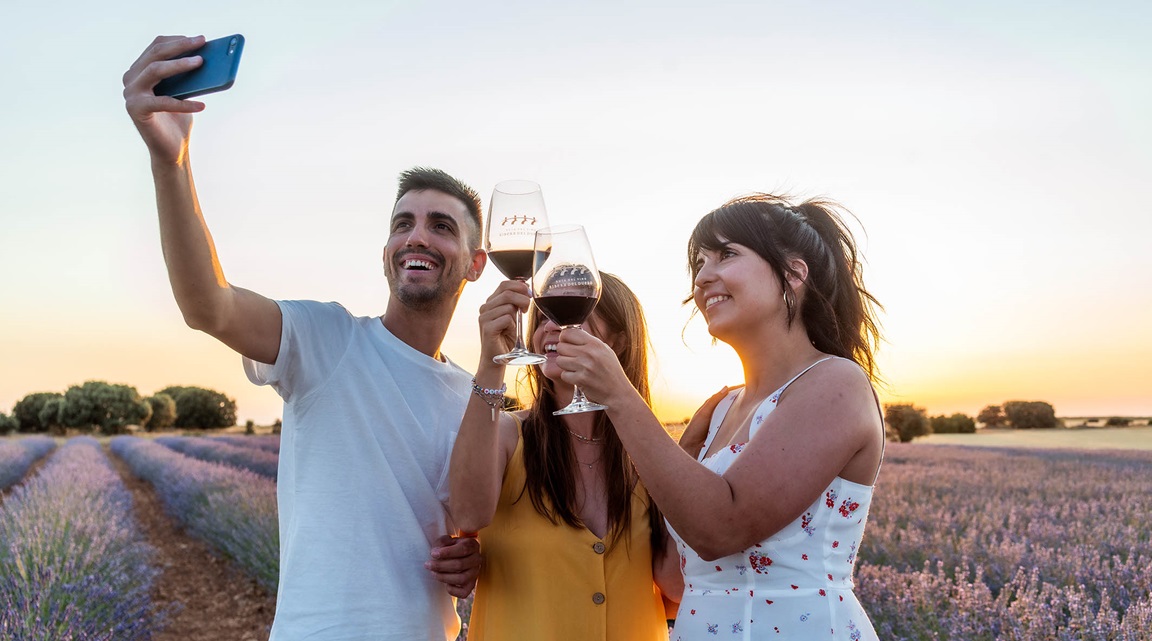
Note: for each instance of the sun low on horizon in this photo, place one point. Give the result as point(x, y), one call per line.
point(995, 160)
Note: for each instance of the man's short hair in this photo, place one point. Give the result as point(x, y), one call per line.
point(421, 178)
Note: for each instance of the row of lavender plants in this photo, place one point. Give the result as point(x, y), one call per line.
point(988, 544)
point(17, 456)
point(233, 509)
point(266, 442)
point(73, 565)
point(254, 459)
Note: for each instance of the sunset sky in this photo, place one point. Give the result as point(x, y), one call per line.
point(998, 156)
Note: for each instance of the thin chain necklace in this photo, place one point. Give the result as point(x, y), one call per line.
point(589, 465)
point(595, 439)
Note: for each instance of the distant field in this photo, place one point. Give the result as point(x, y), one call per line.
point(1095, 438)
point(1092, 438)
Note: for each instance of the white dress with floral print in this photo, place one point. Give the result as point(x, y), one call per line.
point(796, 584)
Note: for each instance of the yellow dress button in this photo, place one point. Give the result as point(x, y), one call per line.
point(598, 547)
point(598, 598)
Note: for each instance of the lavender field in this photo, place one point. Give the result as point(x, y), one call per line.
point(230, 507)
point(72, 564)
point(964, 543)
point(1010, 544)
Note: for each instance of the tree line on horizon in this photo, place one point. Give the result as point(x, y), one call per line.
point(904, 421)
point(97, 407)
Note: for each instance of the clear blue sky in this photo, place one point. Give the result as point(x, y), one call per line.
point(997, 154)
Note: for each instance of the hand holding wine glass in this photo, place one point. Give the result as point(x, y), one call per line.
point(566, 287)
point(515, 213)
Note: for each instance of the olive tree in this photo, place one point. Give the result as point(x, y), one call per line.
point(104, 406)
point(1030, 414)
point(906, 422)
point(201, 408)
point(955, 424)
point(163, 411)
point(27, 411)
point(992, 416)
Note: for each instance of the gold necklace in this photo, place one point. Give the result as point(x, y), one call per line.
point(594, 439)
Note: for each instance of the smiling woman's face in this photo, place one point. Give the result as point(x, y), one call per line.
point(546, 334)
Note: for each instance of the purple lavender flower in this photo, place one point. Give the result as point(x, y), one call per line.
point(982, 544)
point(215, 451)
point(72, 563)
point(18, 455)
point(232, 509)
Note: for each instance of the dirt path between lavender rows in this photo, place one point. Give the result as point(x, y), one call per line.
point(217, 602)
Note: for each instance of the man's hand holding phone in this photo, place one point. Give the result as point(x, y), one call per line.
point(170, 68)
point(163, 122)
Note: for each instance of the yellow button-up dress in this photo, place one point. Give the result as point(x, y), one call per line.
point(552, 582)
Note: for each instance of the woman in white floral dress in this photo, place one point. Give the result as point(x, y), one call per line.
point(769, 514)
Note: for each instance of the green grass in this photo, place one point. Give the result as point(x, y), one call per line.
point(1095, 438)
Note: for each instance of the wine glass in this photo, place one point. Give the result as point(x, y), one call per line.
point(515, 212)
point(566, 287)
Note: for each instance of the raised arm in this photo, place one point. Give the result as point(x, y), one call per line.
point(829, 419)
point(486, 440)
point(244, 320)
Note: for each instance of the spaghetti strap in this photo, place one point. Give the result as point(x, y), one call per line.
point(718, 415)
point(774, 397)
point(783, 387)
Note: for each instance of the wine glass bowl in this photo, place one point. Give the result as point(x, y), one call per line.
point(515, 213)
point(566, 287)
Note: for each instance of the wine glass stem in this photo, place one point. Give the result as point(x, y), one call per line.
point(578, 396)
point(519, 347)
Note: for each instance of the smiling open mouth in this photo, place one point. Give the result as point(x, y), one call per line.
point(715, 299)
point(416, 264)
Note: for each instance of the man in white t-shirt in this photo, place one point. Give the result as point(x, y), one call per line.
point(370, 404)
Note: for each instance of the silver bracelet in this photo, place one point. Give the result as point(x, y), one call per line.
point(492, 397)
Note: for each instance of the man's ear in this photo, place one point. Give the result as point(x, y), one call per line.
point(479, 261)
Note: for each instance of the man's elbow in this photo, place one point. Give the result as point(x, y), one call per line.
point(202, 316)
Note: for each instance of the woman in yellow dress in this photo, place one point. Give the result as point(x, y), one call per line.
point(573, 547)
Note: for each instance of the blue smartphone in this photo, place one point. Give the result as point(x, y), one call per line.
point(221, 62)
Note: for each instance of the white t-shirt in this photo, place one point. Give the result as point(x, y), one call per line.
point(369, 424)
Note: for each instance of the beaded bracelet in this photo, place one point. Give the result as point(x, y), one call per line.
point(492, 397)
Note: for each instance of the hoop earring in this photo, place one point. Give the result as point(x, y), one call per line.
point(789, 302)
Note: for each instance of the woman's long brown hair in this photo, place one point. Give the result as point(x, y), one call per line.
point(549, 460)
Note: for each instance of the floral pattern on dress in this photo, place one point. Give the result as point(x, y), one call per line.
point(806, 524)
point(848, 507)
point(760, 562)
point(799, 587)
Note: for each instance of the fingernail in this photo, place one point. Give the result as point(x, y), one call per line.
point(427, 565)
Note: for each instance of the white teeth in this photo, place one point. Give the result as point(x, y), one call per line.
point(417, 264)
point(715, 299)
point(550, 348)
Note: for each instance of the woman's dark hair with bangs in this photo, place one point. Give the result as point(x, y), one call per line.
point(837, 311)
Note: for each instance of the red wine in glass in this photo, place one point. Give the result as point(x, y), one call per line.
point(515, 264)
point(566, 287)
point(515, 212)
point(567, 311)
